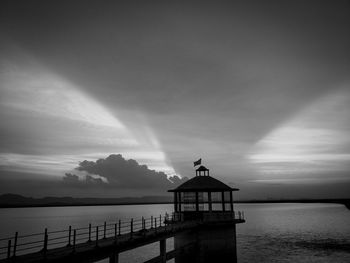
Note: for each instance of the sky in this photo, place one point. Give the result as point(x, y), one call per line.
point(115, 98)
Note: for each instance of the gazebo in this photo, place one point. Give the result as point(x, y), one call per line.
point(203, 197)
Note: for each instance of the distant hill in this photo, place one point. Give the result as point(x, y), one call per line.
point(14, 200)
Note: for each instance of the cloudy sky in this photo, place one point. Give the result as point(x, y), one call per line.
point(259, 90)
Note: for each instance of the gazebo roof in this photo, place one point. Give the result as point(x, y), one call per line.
point(203, 184)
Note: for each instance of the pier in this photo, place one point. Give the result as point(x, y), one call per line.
point(94, 243)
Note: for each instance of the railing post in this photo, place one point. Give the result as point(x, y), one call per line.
point(143, 226)
point(155, 224)
point(104, 230)
point(74, 239)
point(115, 232)
point(96, 236)
point(160, 220)
point(151, 221)
point(15, 244)
point(131, 227)
point(89, 233)
point(69, 236)
point(9, 249)
point(45, 240)
point(119, 226)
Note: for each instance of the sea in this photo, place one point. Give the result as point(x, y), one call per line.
point(273, 232)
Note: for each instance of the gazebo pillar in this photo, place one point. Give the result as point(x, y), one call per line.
point(197, 204)
point(223, 201)
point(209, 201)
point(175, 202)
point(179, 201)
point(231, 201)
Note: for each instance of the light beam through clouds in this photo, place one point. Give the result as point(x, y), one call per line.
point(45, 93)
point(312, 146)
point(62, 117)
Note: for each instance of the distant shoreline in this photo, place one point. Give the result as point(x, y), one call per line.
point(82, 204)
point(345, 202)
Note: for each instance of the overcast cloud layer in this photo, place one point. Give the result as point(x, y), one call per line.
point(260, 91)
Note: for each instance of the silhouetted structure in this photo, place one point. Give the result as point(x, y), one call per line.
point(206, 200)
point(203, 226)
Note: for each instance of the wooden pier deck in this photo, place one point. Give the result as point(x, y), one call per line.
point(80, 246)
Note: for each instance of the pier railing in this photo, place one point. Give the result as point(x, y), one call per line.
point(41, 242)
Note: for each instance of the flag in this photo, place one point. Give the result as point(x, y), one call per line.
point(197, 162)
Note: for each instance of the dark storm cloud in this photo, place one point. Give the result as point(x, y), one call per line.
point(116, 177)
point(88, 181)
point(120, 173)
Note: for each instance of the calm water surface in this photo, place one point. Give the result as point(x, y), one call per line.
point(294, 233)
point(272, 233)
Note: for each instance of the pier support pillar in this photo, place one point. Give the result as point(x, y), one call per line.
point(210, 243)
point(114, 258)
point(162, 246)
